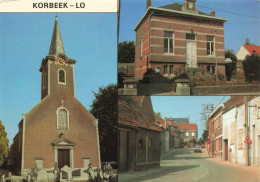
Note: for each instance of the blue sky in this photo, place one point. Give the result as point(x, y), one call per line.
point(236, 29)
point(185, 106)
point(89, 38)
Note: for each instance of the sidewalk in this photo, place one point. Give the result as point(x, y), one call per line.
point(253, 169)
point(132, 175)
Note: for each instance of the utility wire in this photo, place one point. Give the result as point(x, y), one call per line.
point(239, 14)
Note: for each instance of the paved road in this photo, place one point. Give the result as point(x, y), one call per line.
point(184, 165)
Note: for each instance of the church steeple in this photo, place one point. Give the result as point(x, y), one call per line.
point(57, 69)
point(56, 41)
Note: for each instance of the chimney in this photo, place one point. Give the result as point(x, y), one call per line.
point(148, 4)
point(212, 13)
point(188, 120)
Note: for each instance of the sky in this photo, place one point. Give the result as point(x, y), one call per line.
point(88, 38)
point(236, 29)
point(186, 106)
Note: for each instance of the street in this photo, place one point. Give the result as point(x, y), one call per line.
point(185, 165)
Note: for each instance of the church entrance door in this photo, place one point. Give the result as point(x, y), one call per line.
point(63, 158)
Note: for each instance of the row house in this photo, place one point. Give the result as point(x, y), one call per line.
point(138, 134)
point(165, 135)
point(170, 137)
point(187, 130)
point(246, 50)
point(214, 125)
point(241, 118)
point(175, 38)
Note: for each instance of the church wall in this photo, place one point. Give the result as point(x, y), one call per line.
point(41, 131)
point(68, 88)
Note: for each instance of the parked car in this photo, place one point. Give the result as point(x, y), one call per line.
point(197, 148)
point(203, 146)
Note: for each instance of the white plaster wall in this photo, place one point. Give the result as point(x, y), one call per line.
point(254, 119)
point(240, 125)
point(228, 118)
point(242, 52)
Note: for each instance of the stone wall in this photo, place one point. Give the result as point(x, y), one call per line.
point(227, 89)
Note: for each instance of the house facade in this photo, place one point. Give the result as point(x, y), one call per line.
point(139, 136)
point(165, 134)
point(58, 131)
point(186, 130)
point(244, 51)
point(175, 38)
point(214, 123)
point(241, 118)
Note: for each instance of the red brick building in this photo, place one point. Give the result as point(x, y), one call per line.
point(215, 123)
point(58, 130)
point(138, 134)
point(174, 38)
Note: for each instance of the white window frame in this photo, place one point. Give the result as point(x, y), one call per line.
point(192, 133)
point(211, 51)
point(187, 134)
point(57, 113)
point(169, 39)
point(63, 83)
point(165, 71)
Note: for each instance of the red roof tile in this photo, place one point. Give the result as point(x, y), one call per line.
point(252, 48)
point(185, 126)
point(131, 112)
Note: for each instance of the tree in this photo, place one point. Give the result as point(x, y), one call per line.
point(230, 67)
point(104, 108)
point(247, 41)
point(126, 52)
point(3, 144)
point(205, 135)
point(251, 66)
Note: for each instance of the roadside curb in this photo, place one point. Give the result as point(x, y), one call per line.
point(254, 169)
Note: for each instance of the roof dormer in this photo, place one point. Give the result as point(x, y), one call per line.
point(189, 6)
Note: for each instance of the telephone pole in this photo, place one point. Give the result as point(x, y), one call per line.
point(206, 110)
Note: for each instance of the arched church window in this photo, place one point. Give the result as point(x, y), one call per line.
point(62, 119)
point(61, 76)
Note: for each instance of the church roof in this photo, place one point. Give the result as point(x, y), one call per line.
point(178, 120)
point(56, 41)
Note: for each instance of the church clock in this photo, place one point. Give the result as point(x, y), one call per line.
point(61, 61)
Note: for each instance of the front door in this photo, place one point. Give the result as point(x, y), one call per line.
point(63, 158)
point(191, 55)
point(226, 149)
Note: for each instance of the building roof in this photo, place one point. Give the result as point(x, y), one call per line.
point(178, 120)
point(252, 49)
point(177, 7)
point(160, 120)
point(56, 41)
point(135, 111)
point(185, 126)
point(236, 101)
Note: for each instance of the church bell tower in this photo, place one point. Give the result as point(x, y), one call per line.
point(57, 69)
